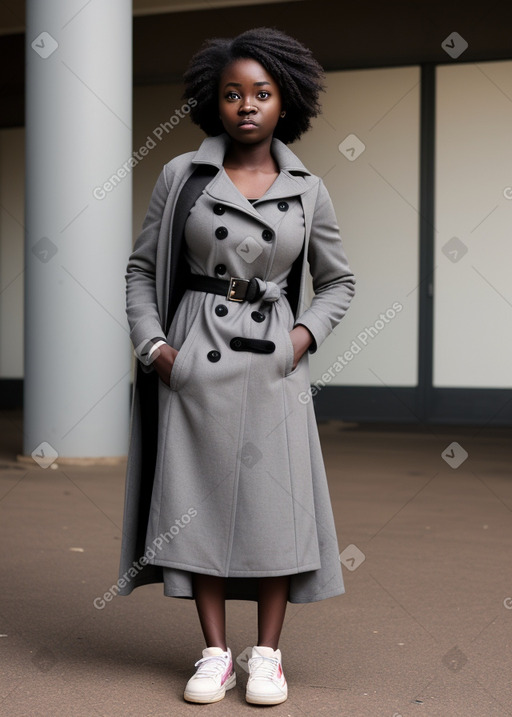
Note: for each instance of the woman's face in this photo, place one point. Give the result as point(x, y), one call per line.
point(249, 101)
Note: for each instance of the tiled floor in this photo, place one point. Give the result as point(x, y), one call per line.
point(425, 626)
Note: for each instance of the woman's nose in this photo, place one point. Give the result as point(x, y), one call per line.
point(247, 106)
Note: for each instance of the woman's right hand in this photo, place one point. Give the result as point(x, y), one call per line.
point(164, 362)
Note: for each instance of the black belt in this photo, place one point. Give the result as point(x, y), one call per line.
point(234, 289)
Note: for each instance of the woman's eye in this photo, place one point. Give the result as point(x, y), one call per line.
point(263, 95)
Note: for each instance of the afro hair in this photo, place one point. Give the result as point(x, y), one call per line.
point(299, 76)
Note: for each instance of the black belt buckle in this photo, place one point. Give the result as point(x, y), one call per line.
point(237, 289)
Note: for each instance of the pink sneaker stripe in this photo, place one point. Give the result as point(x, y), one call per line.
point(228, 672)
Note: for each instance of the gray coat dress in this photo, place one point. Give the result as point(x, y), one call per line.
point(225, 474)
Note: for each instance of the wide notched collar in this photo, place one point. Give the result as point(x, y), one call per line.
point(212, 151)
point(289, 183)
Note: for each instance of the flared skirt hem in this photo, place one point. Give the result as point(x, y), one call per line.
point(236, 573)
point(179, 584)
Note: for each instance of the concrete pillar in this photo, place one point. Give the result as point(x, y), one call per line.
point(78, 238)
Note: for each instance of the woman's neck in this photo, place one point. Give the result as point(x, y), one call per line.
point(251, 157)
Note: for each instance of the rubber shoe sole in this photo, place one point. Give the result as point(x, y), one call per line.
point(265, 699)
point(209, 697)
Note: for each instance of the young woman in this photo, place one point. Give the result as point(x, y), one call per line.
point(226, 494)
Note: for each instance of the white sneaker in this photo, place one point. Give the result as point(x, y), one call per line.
point(214, 675)
point(266, 684)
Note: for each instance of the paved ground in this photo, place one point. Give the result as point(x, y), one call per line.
point(425, 627)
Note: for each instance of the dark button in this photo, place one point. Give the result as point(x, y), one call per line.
point(221, 233)
point(283, 206)
point(267, 234)
point(220, 269)
point(213, 356)
point(258, 316)
point(236, 344)
point(219, 209)
point(221, 310)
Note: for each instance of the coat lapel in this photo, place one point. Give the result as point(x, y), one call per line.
point(294, 180)
point(289, 183)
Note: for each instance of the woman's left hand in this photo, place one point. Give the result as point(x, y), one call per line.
point(301, 340)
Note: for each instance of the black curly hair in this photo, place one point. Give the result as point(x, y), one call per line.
point(299, 76)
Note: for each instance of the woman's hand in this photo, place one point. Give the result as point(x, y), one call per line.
point(164, 362)
point(301, 339)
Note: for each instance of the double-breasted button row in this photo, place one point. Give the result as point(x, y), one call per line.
point(267, 234)
point(219, 209)
point(222, 310)
point(222, 232)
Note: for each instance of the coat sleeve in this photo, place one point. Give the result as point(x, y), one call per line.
point(141, 300)
point(333, 281)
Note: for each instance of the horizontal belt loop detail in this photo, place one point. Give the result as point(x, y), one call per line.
point(257, 346)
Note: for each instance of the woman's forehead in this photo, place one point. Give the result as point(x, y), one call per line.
point(246, 70)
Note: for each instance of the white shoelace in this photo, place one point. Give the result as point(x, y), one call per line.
point(211, 666)
point(264, 667)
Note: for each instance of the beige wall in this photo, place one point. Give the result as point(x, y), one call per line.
point(376, 197)
point(155, 105)
point(473, 290)
point(376, 200)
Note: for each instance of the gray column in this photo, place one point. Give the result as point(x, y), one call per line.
point(78, 228)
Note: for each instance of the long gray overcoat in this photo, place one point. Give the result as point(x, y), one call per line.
point(185, 511)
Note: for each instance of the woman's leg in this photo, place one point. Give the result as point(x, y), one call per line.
point(209, 593)
point(272, 600)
